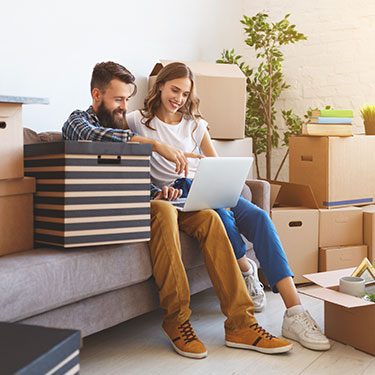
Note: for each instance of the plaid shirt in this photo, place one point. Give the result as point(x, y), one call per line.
point(86, 125)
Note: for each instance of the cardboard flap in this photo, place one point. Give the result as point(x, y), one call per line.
point(204, 68)
point(341, 299)
point(156, 69)
point(294, 195)
point(329, 279)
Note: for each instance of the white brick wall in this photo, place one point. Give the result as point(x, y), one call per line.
point(335, 65)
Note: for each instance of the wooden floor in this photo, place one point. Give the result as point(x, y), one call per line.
point(139, 347)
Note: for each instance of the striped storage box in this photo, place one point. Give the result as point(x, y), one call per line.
point(90, 193)
point(29, 349)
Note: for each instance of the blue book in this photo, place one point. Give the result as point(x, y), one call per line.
point(331, 120)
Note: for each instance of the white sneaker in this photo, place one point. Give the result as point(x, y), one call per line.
point(303, 328)
point(255, 287)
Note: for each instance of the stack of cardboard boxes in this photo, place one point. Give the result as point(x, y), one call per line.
point(16, 191)
point(341, 174)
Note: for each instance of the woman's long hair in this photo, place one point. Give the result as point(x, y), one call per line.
point(153, 98)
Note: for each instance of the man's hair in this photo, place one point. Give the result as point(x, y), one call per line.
point(105, 72)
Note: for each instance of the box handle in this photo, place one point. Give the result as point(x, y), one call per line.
point(109, 159)
point(297, 223)
point(306, 158)
point(3, 124)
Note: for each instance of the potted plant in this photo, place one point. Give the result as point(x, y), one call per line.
point(265, 83)
point(368, 115)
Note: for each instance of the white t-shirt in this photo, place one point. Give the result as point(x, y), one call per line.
point(180, 136)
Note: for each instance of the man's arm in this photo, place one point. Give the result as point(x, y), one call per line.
point(83, 126)
point(165, 193)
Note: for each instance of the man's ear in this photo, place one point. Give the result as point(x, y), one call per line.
point(96, 95)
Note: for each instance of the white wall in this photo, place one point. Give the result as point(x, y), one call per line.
point(48, 48)
point(335, 66)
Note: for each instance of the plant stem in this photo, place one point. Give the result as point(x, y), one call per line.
point(282, 164)
point(269, 121)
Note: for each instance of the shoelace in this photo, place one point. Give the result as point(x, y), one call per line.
point(308, 322)
point(257, 328)
point(255, 286)
point(187, 332)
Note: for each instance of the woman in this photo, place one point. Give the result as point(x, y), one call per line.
point(171, 115)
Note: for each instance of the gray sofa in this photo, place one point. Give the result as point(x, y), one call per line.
point(93, 288)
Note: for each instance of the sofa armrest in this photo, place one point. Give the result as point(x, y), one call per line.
point(261, 191)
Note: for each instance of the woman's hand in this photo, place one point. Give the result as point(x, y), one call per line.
point(169, 193)
point(171, 153)
point(175, 155)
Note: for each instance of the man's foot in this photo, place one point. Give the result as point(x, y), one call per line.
point(303, 328)
point(257, 338)
point(255, 287)
point(185, 341)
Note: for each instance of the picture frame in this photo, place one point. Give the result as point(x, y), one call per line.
point(365, 270)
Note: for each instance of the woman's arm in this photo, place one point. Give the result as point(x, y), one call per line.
point(206, 146)
point(169, 152)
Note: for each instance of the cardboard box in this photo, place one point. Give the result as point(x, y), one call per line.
point(335, 258)
point(295, 215)
point(340, 226)
point(11, 140)
point(222, 92)
point(347, 319)
point(16, 215)
point(11, 134)
point(340, 170)
point(90, 193)
point(369, 231)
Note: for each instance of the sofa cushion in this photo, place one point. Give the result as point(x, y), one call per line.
point(39, 280)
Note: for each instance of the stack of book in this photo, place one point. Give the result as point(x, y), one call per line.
point(329, 122)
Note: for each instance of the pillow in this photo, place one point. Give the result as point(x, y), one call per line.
point(50, 136)
point(30, 136)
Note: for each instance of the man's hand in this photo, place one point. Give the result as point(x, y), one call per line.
point(169, 193)
point(176, 156)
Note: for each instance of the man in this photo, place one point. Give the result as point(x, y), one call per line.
point(111, 87)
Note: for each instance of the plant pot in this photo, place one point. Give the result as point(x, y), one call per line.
point(369, 127)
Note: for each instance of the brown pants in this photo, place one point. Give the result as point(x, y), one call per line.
point(217, 252)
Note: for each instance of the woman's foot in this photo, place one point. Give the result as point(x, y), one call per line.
point(254, 286)
point(303, 328)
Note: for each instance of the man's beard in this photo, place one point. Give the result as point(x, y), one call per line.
point(109, 119)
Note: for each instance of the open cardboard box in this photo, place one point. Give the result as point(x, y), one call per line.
point(295, 214)
point(222, 92)
point(347, 319)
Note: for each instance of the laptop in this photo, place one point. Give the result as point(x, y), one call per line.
point(218, 183)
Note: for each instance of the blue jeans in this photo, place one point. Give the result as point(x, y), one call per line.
point(255, 224)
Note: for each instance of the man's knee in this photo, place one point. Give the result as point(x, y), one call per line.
point(210, 217)
point(162, 209)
